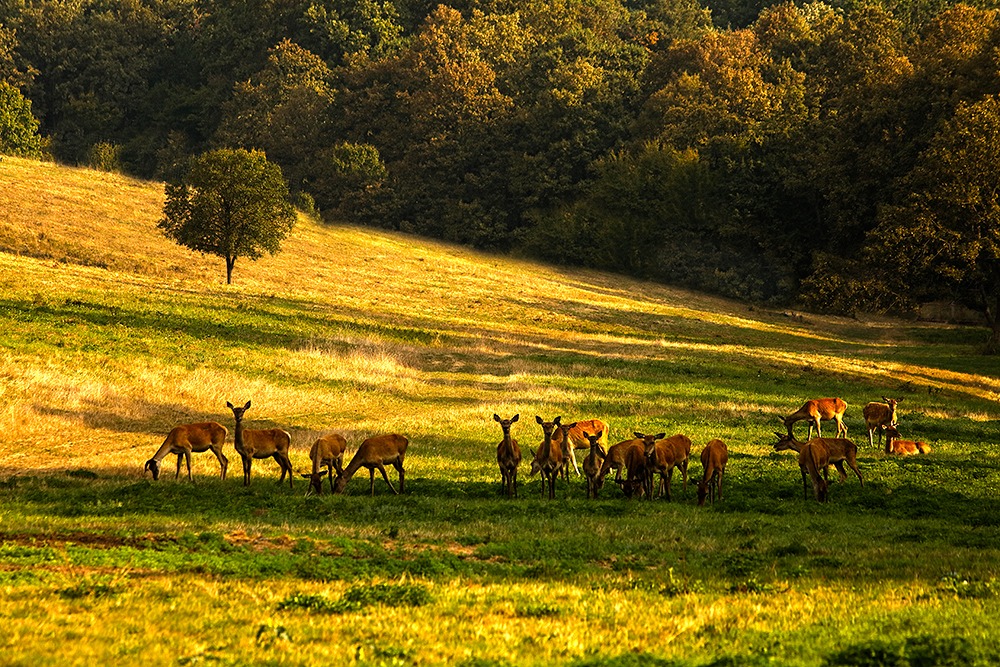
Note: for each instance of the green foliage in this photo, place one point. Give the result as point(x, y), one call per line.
point(105, 157)
point(233, 203)
point(18, 127)
point(359, 597)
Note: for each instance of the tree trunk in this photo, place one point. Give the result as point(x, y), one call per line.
point(230, 263)
point(993, 320)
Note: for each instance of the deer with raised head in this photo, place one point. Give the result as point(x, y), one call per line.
point(662, 457)
point(814, 460)
point(713, 460)
point(326, 451)
point(615, 460)
point(548, 460)
point(375, 453)
point(574, 435)
point(816, 410)
point(592, 464)
point(878, 415)
point(268, 443)
point(894, 445)
point(187, 438)
point(839, 450)
point(508, 456)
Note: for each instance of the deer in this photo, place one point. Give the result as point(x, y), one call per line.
point(615, 459)
point(639, 481)
point(508, 456)
point(813, 458)
point(839, 449)
point(816, 410)
point(574, 435)
point(681, 445)
point(548, 460)
point(374, 453)
point(877, 415)
point(187, 438)
point(326, 451)
point(893, 445)
point(713, 460)
point(593, 463)
point(261, 444)
point(662, 456)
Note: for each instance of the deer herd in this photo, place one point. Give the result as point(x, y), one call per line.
point(636, 461)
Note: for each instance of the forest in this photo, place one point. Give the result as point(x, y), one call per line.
point(841, 156)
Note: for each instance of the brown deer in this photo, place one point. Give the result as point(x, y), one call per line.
point(878, 415)
point(893, 445)
point(839, 449)
point(187, 438)
point(508, 456)
point(713, 459)
point(681, 445)
point(662, 456)
point(326, 451)
point(615, 459)
point(548, 460)
point(261, 444)
point(592, 464)
point(816, 410)
point(374, 453)
point(639, 480)
point(574, 435)
point(814, 458)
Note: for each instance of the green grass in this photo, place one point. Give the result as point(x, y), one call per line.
point(365, 332)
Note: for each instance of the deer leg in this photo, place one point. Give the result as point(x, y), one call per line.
point(286, 463)
point(371, 480)
point(572, 458)
point(805, 483)
point(402, 476)
point(385, 476)
point(720, 484)
point(178, 473)
point(840, 469)
point(187, 459)
point(684, 471)
point(223, 461)
point(247, 463)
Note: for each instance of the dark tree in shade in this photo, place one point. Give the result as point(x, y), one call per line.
point(232, 203)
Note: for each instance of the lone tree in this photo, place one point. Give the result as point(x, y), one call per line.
point(232, 203)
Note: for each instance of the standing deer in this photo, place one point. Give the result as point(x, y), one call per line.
point(592, 464)
point(615, 459)
point(893, 445)
point(813, 459)
point(839, 449)
point(816, 410)
point(326, 451)
point(508, 456)
point(639, 480)
point(187, 438)
point(548, 460)
point(261, 444)
point(877, 415)
point(713, 459)
point(374, 453)
point(661, 457)
point(571, 437)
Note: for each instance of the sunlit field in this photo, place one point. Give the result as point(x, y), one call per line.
point(111, 335)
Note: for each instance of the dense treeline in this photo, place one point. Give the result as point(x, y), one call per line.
point(844, 155)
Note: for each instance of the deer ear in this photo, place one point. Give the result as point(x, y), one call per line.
point(247, 406)
point(514, 418)
point(556, 421)
point(587, 435)
point(661, 436)
point(638, 435)
point(305, 475)
point(496, 417)
point(229, 405)
point(539, 419)
point(600, 434)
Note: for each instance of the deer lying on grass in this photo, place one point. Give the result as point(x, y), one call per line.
point(713, 459)
point(374, 453)
point(548, 460)
point(615, 459)
point(592, 464)
point(575, 435)
point(508, 456)
point(839, 450)
point(814, 458)
point(893, 445)
point(187, 438)
point(326, 451)
point(879, 415)
point(261, 444)
point(817, 410)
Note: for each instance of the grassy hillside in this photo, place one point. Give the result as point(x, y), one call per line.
point(112, 334)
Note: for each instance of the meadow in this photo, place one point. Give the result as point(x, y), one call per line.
point(110, 335)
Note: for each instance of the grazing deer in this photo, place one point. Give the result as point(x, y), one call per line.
point(326, 451)
point(839, 449)
point(893, 445)
point(508, 456)
point(615, 459)
point(592, 464)
point(639, 481)
point(713, 459)
point(817, 410)
point(187, 438)
point(376, 452)
point(814, 458)
point(574, 435)
point(261, 444)
point(878, 415)
point(548, 460)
